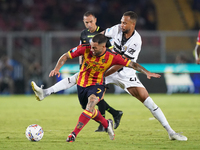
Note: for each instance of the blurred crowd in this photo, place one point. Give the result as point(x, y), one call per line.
point(196, 5)
point(55, 15)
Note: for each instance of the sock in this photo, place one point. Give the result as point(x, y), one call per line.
point(158, 114)
point(82, 121)
point(61, 85)
point(102, 107)
point(110, 109)
point(99, 118)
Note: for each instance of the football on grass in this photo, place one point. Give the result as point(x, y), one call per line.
point(34, 132)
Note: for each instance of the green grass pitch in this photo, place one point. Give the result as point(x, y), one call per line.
point(58, 115)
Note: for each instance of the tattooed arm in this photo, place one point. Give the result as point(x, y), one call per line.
point(59, 64)
point(141, 69)
point(112, 70)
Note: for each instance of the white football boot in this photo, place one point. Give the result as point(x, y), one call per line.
point(38, 91)
point(178, 137)
point(110, 129)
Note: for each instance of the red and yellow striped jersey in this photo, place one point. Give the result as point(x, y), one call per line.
point(94, 67)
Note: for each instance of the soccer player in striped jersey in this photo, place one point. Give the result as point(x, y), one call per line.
point(91, 82)
point(91, 30)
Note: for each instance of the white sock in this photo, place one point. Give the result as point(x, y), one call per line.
point(158, 114)
point(65, 83)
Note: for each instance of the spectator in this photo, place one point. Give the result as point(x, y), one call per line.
point(35, 73)
point(6, 79)
point(30, 15)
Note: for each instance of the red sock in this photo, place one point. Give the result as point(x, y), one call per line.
point(99, 118)
point(82, 121)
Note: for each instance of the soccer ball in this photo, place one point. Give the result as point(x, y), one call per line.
point(34, 132)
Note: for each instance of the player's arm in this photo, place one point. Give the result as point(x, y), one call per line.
point(141, 69)
point(59, 64)
point(197, 52)
point(113, 69)
point(80, 58)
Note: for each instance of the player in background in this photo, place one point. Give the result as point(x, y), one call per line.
point(92, 29)
point(91, 82)
point(195, 76)
point(197, 49)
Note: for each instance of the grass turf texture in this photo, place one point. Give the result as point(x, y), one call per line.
point(58, 115)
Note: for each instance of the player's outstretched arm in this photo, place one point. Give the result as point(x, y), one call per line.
point(141, 69)
point(112, 70)
point(59, 64)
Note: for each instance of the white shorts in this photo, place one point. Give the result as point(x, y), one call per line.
point(123, 81)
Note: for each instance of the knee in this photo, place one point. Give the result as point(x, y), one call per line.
point(142, 97)
point(92, 101)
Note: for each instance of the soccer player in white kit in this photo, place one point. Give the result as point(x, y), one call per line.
point(127, 42)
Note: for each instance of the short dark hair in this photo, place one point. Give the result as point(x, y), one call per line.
point(88, 13)
point(131, 14)
point(99, 38)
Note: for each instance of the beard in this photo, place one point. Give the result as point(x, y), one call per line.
point(126, 31)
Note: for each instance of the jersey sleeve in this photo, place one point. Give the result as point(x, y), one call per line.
point(112, 32)
point(119, 60)
point(76, 51)
point(198, 38)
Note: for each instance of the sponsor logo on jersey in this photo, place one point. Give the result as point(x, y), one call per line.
point(131, 51)
point(90, 36)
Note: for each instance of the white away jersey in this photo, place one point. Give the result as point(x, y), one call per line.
point(130, 49)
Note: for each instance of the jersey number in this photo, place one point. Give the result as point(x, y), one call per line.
point(69, 80)
point(133, 79)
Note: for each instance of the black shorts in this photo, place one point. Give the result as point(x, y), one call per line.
point(85, 92)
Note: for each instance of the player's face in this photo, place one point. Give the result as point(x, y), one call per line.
point(127, 24)
point(97, 49)
point(90, 22)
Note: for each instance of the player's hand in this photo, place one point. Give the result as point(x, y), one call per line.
point(54, 72)
point(155, 75)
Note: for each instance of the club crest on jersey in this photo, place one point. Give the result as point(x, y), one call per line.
point(103, 60)
point(124, 48)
